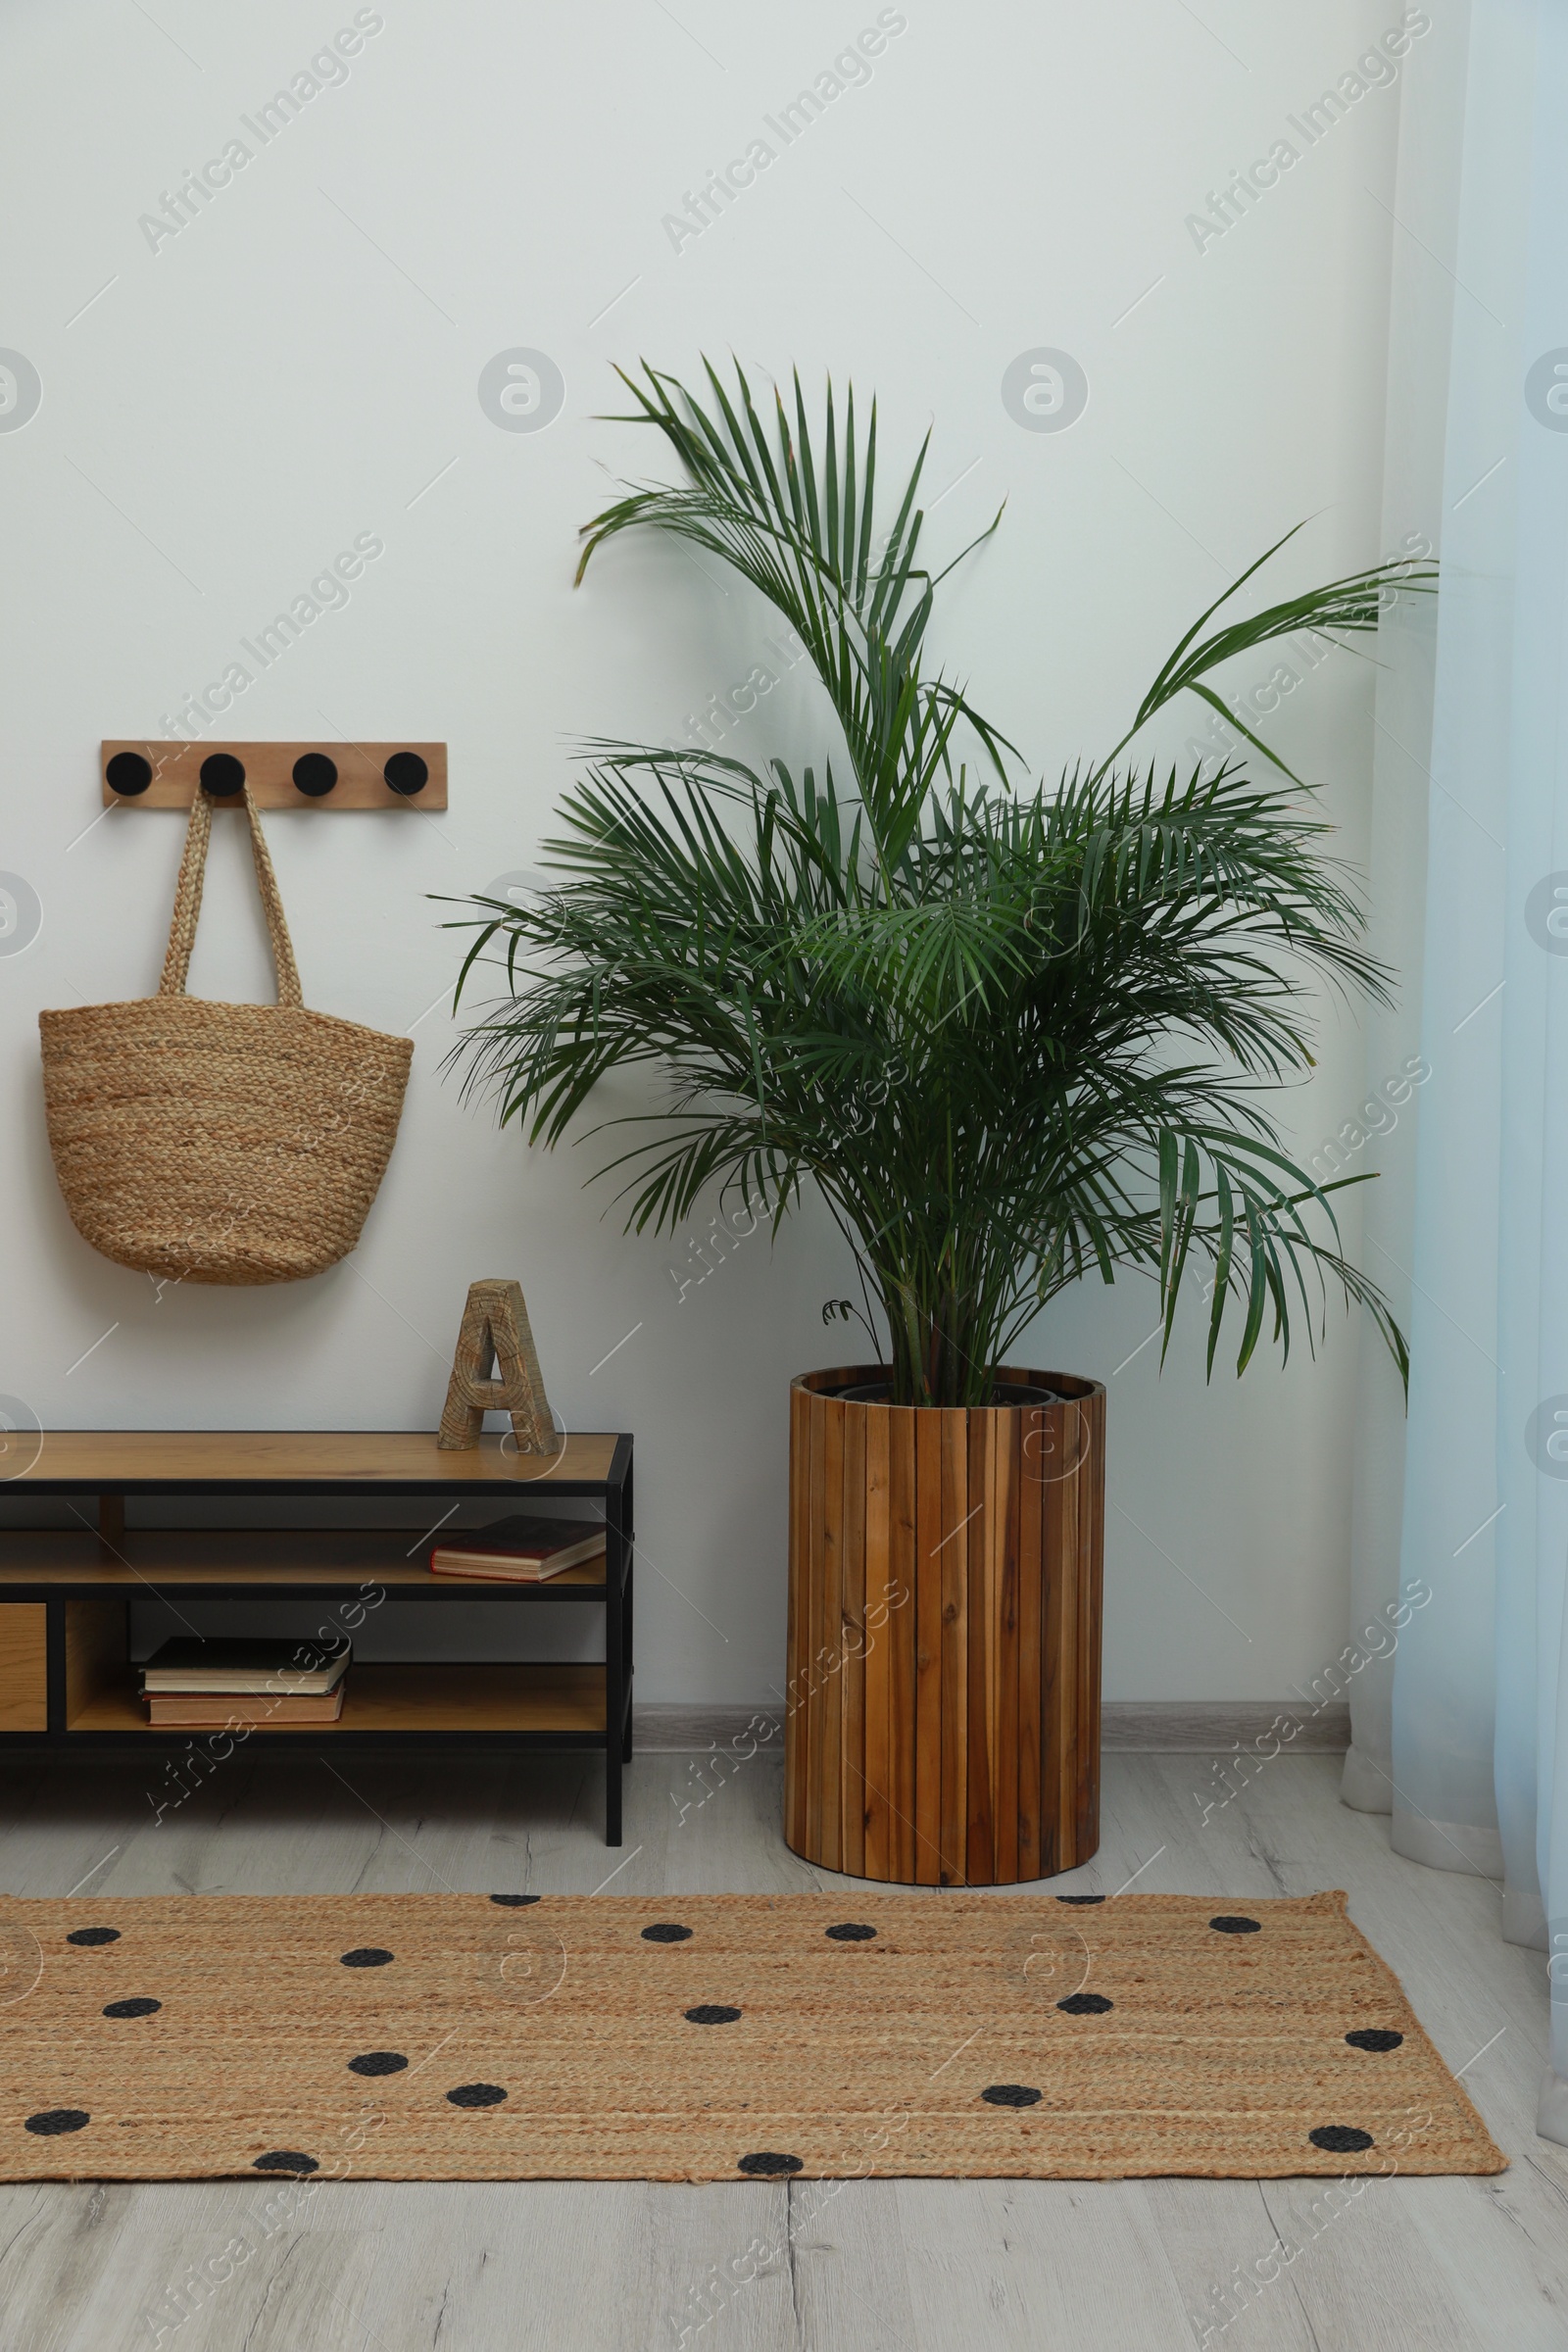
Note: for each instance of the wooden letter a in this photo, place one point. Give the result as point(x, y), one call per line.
point(495, 1328)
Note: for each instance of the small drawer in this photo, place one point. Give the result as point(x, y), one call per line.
point(24, 1666)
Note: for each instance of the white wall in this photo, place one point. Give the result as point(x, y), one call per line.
point(300, 365)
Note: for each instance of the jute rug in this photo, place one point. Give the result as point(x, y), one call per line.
point(711, 2037)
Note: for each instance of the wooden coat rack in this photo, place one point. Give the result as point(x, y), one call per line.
point(280, 775)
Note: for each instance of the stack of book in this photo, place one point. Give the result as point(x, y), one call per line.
point(521, 1551)
point(196, 1686)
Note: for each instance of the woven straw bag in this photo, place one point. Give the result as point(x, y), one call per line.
point(219, 1143)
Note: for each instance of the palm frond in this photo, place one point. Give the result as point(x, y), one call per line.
point(861, 608)
point(1352, 607)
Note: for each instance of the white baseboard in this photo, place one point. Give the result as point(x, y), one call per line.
point(1208, 1725)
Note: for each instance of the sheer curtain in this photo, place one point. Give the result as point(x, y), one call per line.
point(1457, 1734)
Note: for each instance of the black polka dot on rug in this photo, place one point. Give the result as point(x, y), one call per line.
point(852, 1930)
point(284, 2160)
point(1374, 2038)
point(1011, 2094)
point(1340, 2140)
point(1086, 2004)
point(475, 2094)
point(52, 2121)
point(665, 1930)
point(1080, 1899)
point(513, 1902)
point(1235, 1922)
point(93, 1935)
point(367, 1955)
point(377, 2062)
point(136, 2008)
point(768, 2165)
point(710, 2013)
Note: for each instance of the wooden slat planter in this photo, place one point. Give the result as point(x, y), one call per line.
point(942, 1723)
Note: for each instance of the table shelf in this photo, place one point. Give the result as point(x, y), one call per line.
point(382, 1699)
point(260, 1560)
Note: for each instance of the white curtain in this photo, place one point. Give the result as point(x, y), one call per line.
point(1462, 1512)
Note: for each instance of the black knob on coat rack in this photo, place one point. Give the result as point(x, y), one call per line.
point(129, 773)
point(406, 773)
point(314, 774)
point(222, 775)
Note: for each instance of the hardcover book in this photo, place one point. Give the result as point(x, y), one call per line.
point(522, 1550)
point(246, 1666)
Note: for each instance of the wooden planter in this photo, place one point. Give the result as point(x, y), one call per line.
point(943, 1716)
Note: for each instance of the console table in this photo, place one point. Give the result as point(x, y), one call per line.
point(67, 1680)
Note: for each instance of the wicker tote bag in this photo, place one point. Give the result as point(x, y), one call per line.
point(219, 1143)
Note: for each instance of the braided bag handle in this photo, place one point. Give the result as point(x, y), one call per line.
point(188, 905)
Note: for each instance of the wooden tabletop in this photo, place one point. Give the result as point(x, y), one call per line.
point(156, 1457)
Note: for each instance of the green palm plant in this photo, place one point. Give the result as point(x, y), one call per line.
point(1013, 1035)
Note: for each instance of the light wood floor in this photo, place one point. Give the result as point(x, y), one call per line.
point(872, 2266)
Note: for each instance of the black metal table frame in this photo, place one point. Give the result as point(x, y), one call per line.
point(614, 1490)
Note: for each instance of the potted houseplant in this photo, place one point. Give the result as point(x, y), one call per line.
point(1014, 1034)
